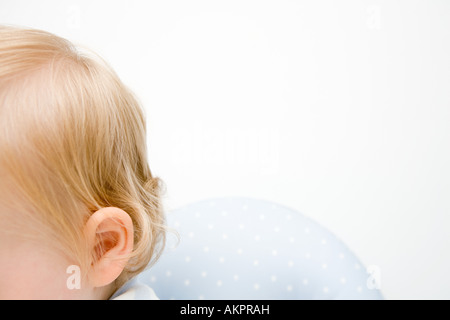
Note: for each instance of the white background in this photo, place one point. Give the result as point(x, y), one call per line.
point(338, 109)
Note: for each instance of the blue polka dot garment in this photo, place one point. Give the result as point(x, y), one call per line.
point(243, 248)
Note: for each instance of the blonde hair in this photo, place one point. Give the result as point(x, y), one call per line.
point(73, 140)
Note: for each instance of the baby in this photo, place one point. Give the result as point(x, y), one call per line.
point(80, 211)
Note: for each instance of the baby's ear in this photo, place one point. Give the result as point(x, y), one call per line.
point(109, 232)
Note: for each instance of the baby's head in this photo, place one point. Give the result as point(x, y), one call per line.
point(80, 212)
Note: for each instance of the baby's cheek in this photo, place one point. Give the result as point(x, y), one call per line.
point(28, 271)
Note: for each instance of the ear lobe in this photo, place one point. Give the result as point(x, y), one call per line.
point(110, 236)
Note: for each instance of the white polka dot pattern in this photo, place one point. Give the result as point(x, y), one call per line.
point(241, 248)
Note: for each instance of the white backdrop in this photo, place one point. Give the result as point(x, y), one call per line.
point(340, 110)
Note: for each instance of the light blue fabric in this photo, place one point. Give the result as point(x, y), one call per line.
point(242, 248)
point(134, 290)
